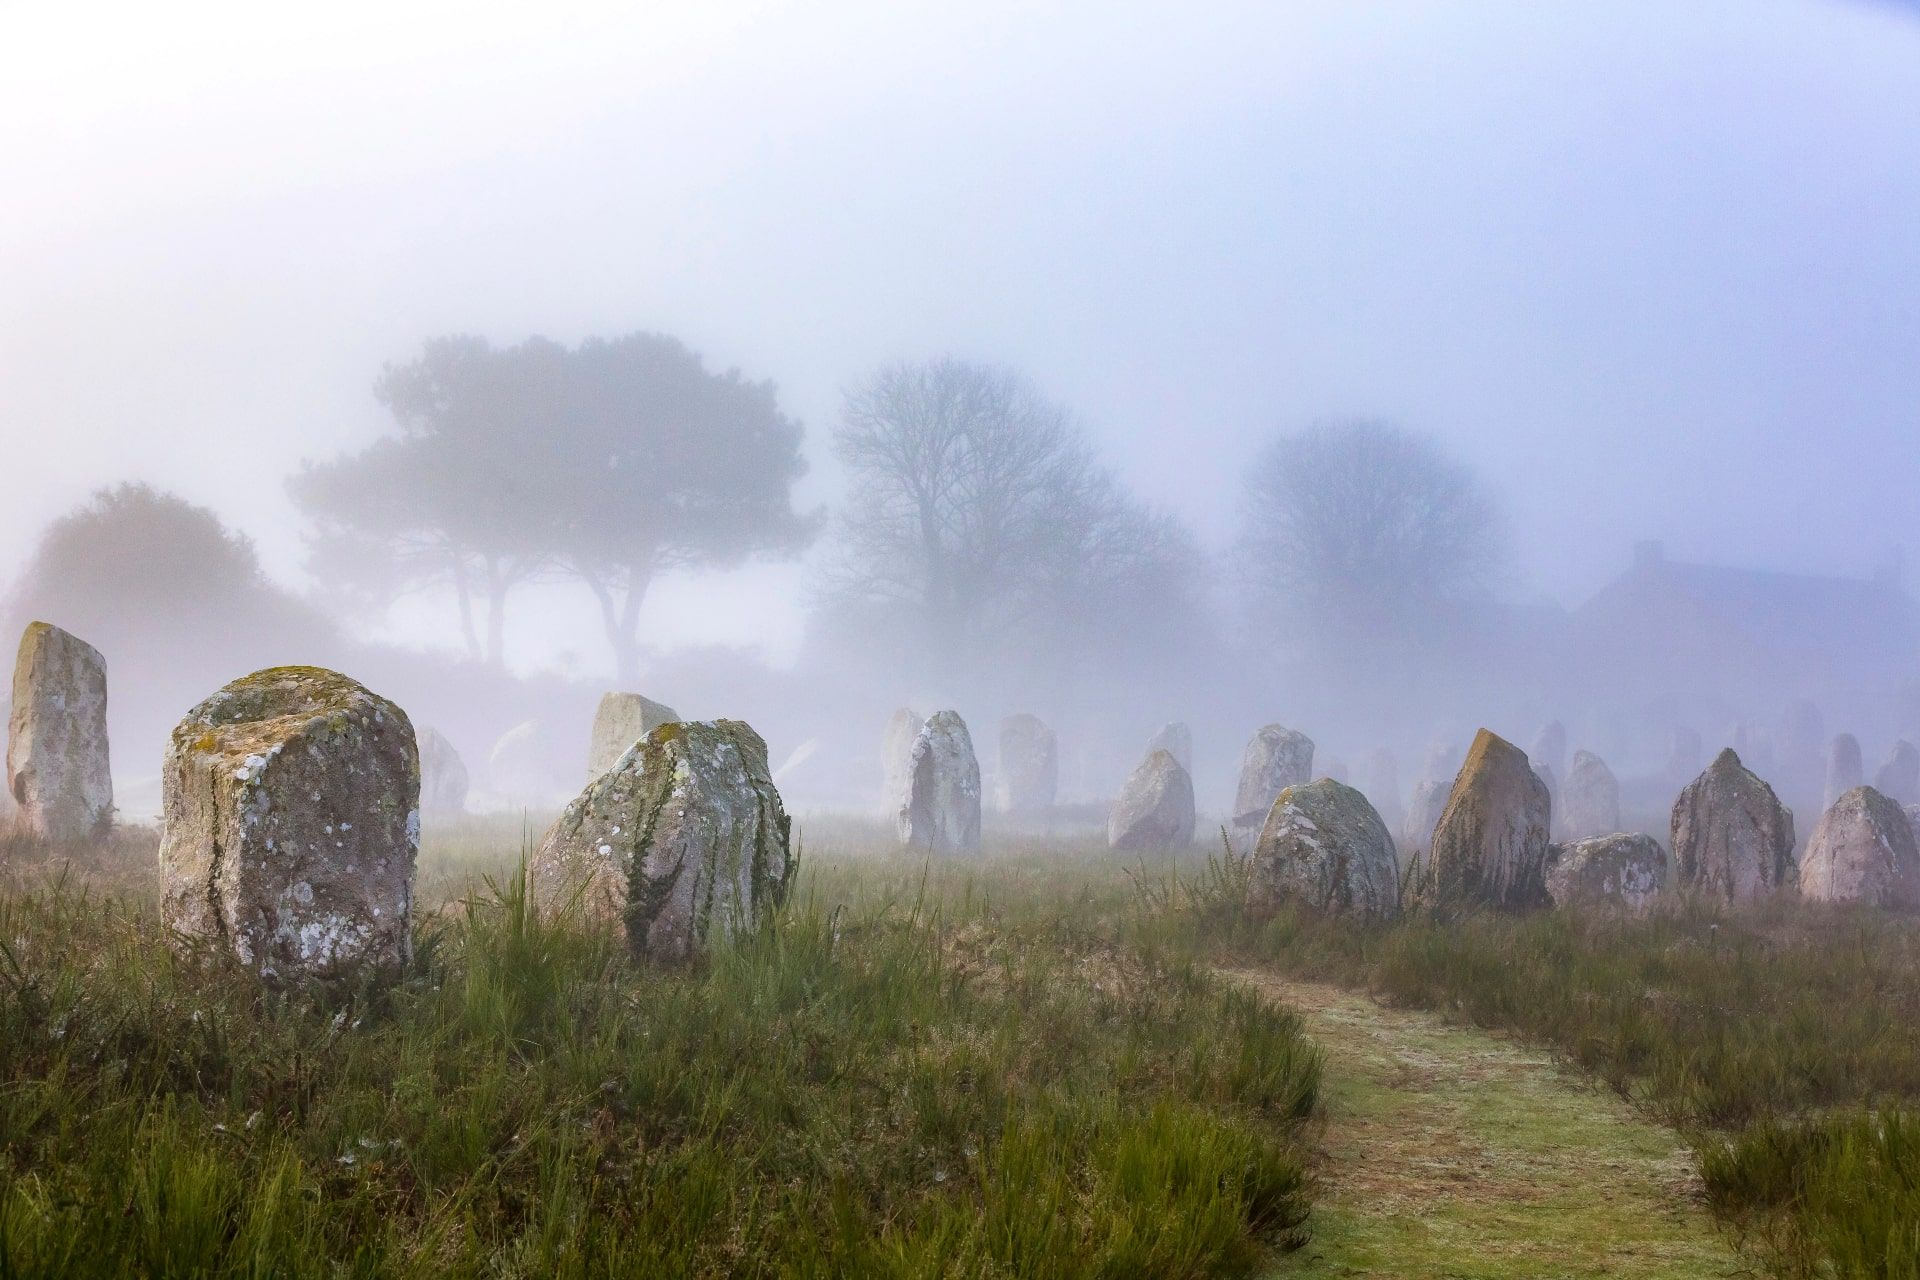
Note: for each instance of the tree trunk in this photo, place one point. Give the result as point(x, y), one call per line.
point(620, 617)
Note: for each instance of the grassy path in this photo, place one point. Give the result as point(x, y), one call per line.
point(1452, 1153)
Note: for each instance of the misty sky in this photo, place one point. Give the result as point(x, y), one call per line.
point(1654, 269)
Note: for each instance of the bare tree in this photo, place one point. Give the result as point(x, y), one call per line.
point(1359, 525)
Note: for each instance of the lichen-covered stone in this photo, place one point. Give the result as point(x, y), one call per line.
point(1176, 739)
point(1862, 850)
point(1276, 758)
point(1324, 844)
point(942, 809)
point(683, 842)
point(1845, 769)
point(57, 767)
point(1029, 778)
point(896, 756)
point(443, 774)
point(1490, 847)
point(1899, 778)
point(621, 720)
point(1155, 808)
point(1732, 838)
point(292, 822)
point(1589, 804)
point(1622, 869)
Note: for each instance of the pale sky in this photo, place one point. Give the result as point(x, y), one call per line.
point(1652, 268)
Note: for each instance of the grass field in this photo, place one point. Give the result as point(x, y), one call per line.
point(918, 1071)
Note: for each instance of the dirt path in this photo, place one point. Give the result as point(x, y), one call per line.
point(1449, 1152)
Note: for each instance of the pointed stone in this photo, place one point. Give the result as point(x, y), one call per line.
point(683, 842)
point(1550, 749)
point(291, 825)
point(621, 720)
point(1732, 838)
point(1589, 805)
point(57, 767)
point(1276, 759)
point(942, 811)
point(443, 774)
point(1177, 740)
point(1490, 847)
point(1155, 809)
point(1862, 850)
point(1324, 845)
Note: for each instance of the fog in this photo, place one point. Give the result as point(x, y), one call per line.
point(1646, 272)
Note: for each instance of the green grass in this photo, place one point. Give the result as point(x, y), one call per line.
point(1782, 1040)
point(912, 1072)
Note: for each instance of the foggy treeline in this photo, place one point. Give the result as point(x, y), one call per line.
point(982, 556)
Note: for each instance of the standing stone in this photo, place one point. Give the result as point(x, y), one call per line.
point(1732, 838)
point(896, 756)
point(1029, 765)
point(1862, 850)
point(1276, 759)
point(443, 774)
point(1423, 814)
point(682, 842)
point(57, 768)
point(1325, 845)
point(1686, 754)
point(292, 821)
point(1899, 778)
point(1844, 768)
point(1155, 808)
point(621, 720)
point(1625, 870)
point(1177, 740)
point(1551, 783)
point(942, 809)
point(1590, 802)
point(1550, 749)
point(1490, 847)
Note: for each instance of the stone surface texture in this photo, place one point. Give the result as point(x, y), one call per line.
point(1324, 844)
point(1490, 847)
point(58, 774)
point(942, 809)
point(1732, 838)
point(1154, 810)
point(621, 720)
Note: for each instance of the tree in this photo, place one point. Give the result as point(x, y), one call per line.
point(607, 464)
point(980, 515)
point(1362, 528)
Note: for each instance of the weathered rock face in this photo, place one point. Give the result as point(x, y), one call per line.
point(292, 822)
point(1550, 749)
point(1490, 847)
point(443, 774)
point(57, 768)
point(621, 720)
point(896, 756)
point(1732, 838)
point(1589, 805)
point(1175, 739)
point(1325, 845)
point(1899, 778)
point(682, 842)
point(1626, 870)
point(1862, 850)
point(1029, 765)
point(942, 812)
point(1155, 808)
point(1276, 759)
point(1844, 768)
point(1423, 814)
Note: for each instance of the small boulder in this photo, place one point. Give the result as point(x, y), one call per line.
point(1589, 805)
point(1845, 771)
point(57, 767)
point(1324, 844)
point(1177, 740)
point(1732, 838)
point(682, 842)
point(1276, 759)
point(1490, 847)
point(1899, 778)
point(1862, 850)
point(291, 824)
point(621, 720)
point(942, 809)
point(443, 774)
point(1625, 870)
point(1029, 776)
point(1155, 807)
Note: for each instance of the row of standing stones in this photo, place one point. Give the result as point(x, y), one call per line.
point(1487, 836)
point(291, 816)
